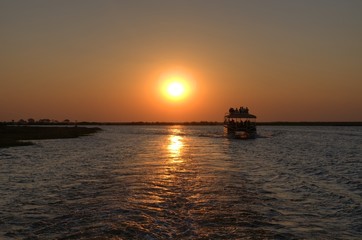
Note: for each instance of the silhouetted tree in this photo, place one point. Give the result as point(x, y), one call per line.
point(31, 121)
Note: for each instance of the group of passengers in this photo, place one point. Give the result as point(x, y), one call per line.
point(240, 110)
point(241, 124)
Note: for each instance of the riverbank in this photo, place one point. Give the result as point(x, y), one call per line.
point(193, 123)
point(11, 136)
point(211, 123)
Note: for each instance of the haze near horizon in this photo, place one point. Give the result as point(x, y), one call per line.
point(121, 61)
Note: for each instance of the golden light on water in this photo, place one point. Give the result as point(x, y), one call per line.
point(175, 146)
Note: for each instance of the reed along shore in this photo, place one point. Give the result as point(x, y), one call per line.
point(11, 136)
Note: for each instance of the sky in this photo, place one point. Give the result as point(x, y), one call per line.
point(109, 60)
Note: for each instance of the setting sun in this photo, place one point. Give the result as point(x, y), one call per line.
point(176, 86)
point(175, 89)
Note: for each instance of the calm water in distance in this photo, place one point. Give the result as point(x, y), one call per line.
point(185, 182)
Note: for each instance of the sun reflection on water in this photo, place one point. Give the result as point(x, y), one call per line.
point(175, 146)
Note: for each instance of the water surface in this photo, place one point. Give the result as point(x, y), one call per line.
point(185, 182)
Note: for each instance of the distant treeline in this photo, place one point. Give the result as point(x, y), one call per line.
point(196, 123)
point(310, 124)
point(151, 123)
point(44, 121)
point(207, 123)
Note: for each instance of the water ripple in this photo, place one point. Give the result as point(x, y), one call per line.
point(177, 182)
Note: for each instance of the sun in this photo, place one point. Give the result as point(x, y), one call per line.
point(175, 87)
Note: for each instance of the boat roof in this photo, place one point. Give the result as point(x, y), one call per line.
point(239, 115)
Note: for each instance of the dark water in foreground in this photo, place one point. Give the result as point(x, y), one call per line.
point(185, 182)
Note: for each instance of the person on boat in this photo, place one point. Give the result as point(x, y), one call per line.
point(231, 110)
point(241, 124)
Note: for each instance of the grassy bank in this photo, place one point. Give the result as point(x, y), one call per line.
point(11, 136)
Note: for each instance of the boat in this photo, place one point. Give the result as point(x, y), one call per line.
point(239, 123)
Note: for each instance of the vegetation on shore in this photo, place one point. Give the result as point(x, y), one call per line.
point(210, 123)
point(11, 136)
point(346, 124)
point(196, 123)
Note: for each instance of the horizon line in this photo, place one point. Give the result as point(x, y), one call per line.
point(274, 123)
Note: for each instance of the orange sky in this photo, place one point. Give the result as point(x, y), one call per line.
point(103, 60)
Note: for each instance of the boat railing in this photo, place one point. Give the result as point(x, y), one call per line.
point(239, 115)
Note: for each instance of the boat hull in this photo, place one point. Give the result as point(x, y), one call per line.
point(241, 133)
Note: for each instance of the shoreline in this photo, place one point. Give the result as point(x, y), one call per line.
point(12, 136)
point(211, 123)
point(196, 123)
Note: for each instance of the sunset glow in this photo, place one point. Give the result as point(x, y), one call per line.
point(204, 119)
point(176, 61)
point(175, 89)
point(175, 86)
